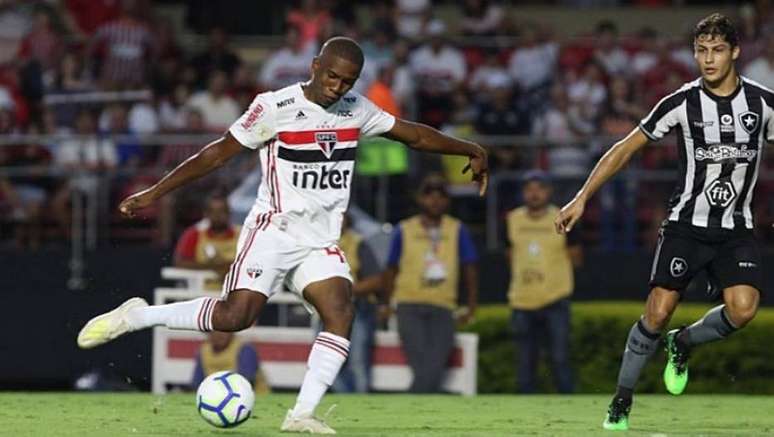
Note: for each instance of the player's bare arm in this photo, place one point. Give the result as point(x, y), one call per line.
point(212, 156)
point(610, 164)
point(422, 137)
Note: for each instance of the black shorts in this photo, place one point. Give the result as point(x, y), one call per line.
point(729, 257)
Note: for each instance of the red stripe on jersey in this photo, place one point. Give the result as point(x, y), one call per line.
point(310, 136)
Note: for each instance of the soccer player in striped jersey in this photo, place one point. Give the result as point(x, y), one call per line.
point(306, 135)
point(722, 121)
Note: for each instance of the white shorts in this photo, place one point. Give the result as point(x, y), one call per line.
point(269, 260)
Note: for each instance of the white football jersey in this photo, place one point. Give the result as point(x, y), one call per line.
point(307, 157)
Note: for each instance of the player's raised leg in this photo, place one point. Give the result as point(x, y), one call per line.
point(640, 345)
point(332, 298)
point(238, 311)
point(739, 308)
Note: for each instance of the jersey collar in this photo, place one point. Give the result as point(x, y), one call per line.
point(716, 97)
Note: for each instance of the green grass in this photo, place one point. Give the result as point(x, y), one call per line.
point(115, 415)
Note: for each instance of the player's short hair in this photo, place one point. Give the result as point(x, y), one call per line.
point(343, 47)
point(717, 25)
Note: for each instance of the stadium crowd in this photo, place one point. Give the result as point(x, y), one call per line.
point(489, 75)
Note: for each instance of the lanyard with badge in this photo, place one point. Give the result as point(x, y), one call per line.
point(434, 271)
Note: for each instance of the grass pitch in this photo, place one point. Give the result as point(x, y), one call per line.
point(115, 415)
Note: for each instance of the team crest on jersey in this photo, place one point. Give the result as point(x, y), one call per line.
point(749, 121)
point(327, 142)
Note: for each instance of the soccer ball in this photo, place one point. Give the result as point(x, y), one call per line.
point(225, 399)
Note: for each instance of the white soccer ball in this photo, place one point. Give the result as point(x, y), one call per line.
point(225, 399)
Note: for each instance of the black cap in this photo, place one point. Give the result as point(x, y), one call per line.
point(536, 176)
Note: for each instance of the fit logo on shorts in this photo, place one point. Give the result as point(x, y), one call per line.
point(677, 267)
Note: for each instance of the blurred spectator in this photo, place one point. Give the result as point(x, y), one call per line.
point(81, 158)
point(489, 75)
point(541, 263)
point(377, 47)
point(608, 51)
point(481, 17)
point(533, 63)
point(587, 92)
point(143, 118)
point(439, 68)
point(380, 91)
point(424, 261)
point(28, 192)
point(403, 87)
point(211, 243)
point(355, 376)
point(124, 48)
point(502, 115)
point(761, 69)
point(217, 57)
point(15, 23)
point(114, 121)
point(411, 16)
point(224, 351)
point(647, 56)
point(312, 21)
point(172, 111)
point(90, 15)
point(43, 44)
point(218, 108)
point(568, 159)
point(288, 65)
point(461, 124)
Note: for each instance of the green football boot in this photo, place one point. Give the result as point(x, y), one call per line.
point(618, 415)
point(676, 370)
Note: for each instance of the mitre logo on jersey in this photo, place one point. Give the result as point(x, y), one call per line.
point(720, 193)
point(726, 123)
point(749, 121)
point(326, 141)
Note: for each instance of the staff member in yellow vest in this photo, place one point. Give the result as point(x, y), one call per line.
point(541, 283)
point(424, 262)
point(355, 375)
point(211, 243)
point(224, 351)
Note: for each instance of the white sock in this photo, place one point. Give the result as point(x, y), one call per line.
point(329, 352)
point(191, 315)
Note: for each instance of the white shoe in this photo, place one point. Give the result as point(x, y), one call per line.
point(303, 424)
point(108, 326)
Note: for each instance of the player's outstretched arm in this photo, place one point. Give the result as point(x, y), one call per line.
point(212, 156)
point(422, 137)
point(612, 161)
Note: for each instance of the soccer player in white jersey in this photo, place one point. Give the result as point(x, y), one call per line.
point(306, 135)
point(722, 121)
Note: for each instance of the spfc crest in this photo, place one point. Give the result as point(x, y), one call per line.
point(749, 121)
point(326, 141)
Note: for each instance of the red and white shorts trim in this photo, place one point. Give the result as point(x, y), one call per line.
point(269, 260)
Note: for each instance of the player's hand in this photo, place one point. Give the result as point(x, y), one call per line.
point(383, 313)
point(479, 164)
point(136, 201)
point(569, 215)
point(465, 316)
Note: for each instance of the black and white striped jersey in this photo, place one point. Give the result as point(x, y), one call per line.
point(720, 142)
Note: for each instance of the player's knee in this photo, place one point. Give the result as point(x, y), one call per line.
point(657, 318)
point(741, 313)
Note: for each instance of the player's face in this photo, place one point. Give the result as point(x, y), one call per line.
point(714, 56)
point(536, 194)
point(218, 214)
point(332, 77)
